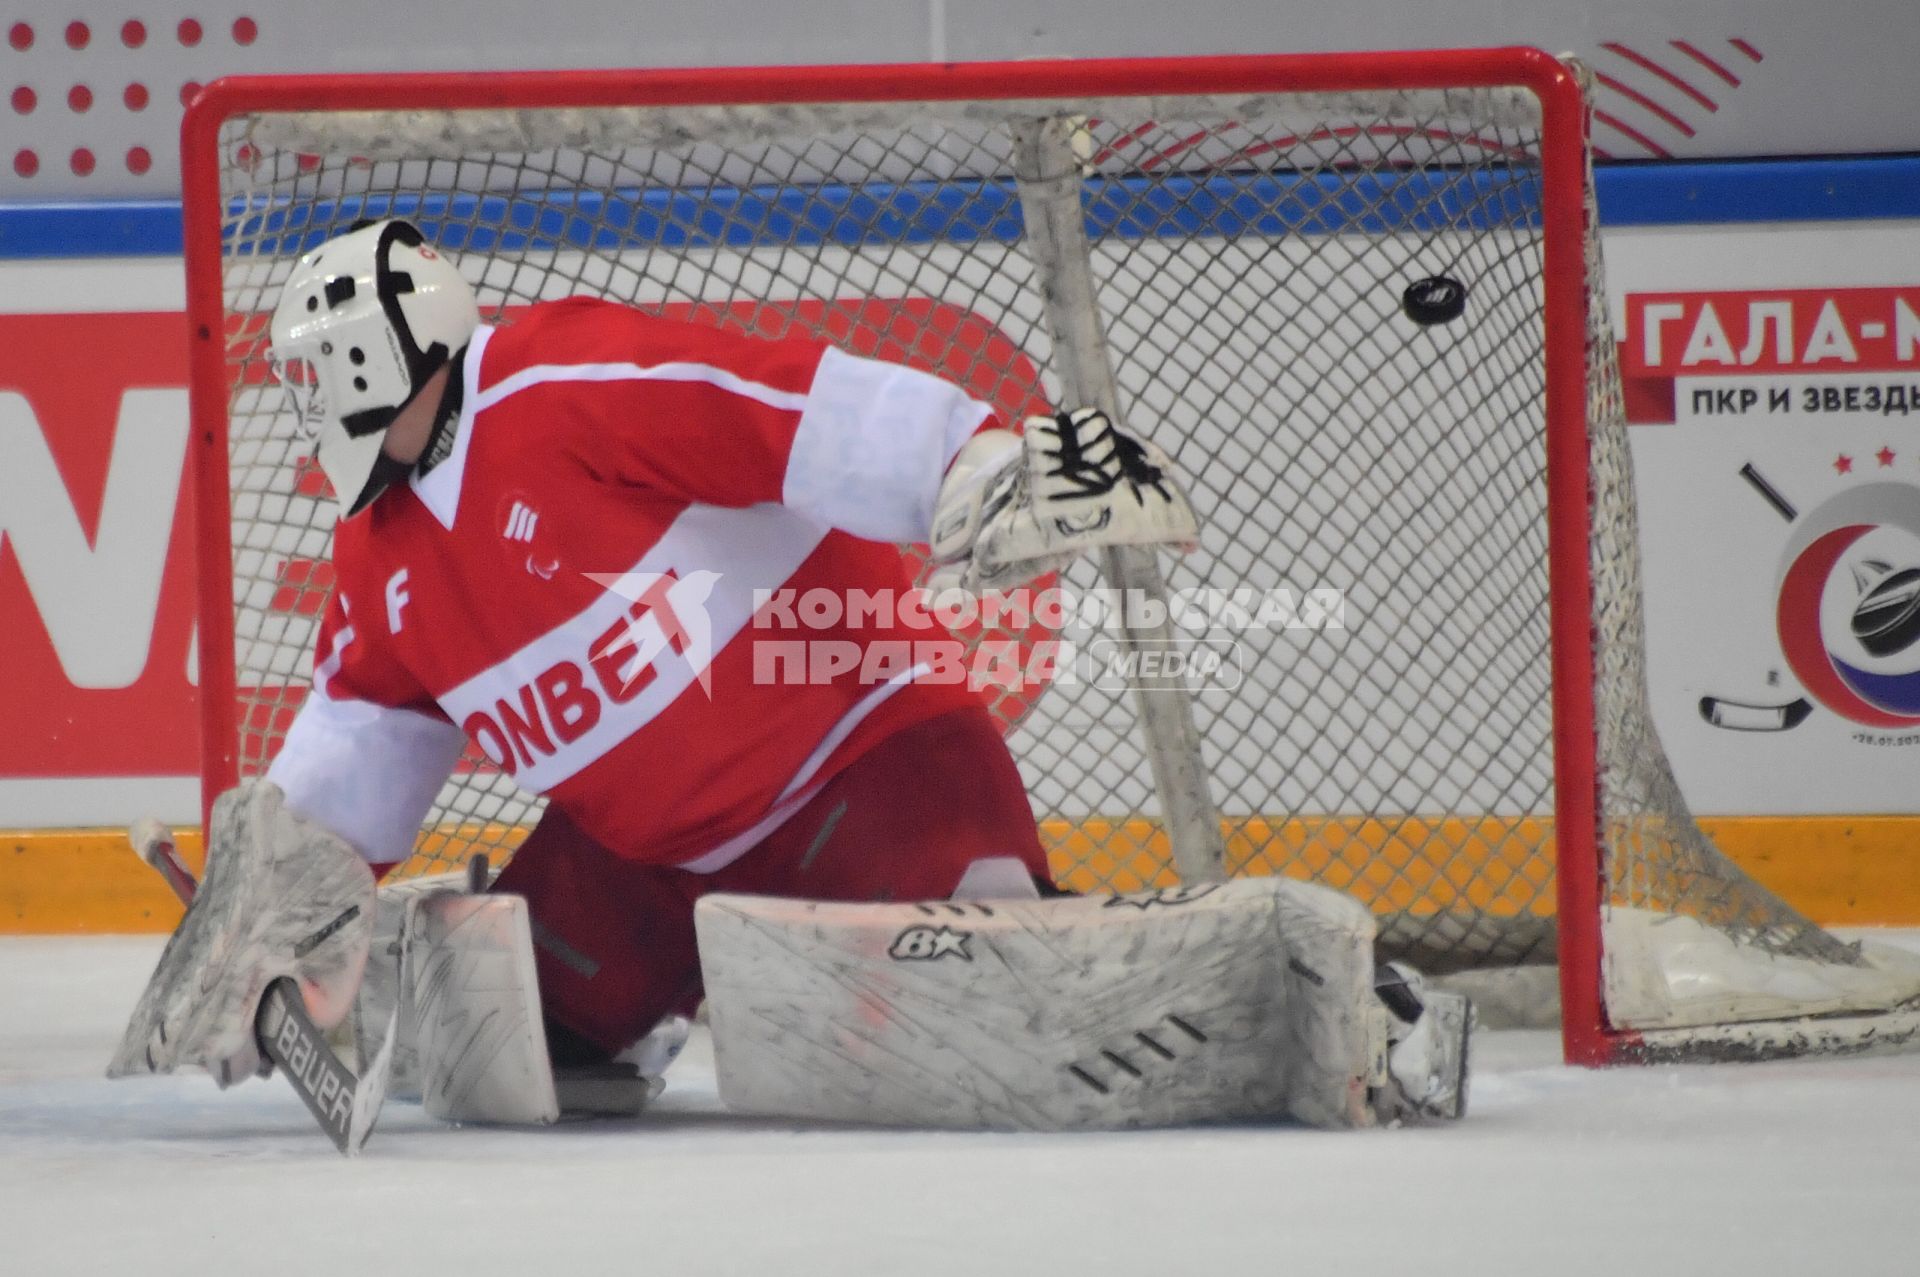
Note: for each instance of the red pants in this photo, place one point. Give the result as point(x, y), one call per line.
point(614, 941)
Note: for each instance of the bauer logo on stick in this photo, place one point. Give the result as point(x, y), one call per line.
point(923, 944)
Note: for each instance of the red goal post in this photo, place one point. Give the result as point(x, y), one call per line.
point(1406, 159)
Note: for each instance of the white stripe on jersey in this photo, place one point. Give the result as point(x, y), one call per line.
point(761, 546)
point(844, 728)
point(521, 521)
point(540, 374)
point(323, 672)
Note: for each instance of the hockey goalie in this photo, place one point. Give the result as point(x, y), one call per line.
point(555, 535)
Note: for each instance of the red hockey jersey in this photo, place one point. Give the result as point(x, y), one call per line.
point(574, 587)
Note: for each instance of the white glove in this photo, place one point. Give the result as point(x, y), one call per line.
point(281, 897)
point(1014, 507)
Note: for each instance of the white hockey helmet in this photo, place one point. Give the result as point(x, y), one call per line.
point(363, 322)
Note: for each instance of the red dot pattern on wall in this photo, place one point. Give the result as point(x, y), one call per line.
point(136, 96)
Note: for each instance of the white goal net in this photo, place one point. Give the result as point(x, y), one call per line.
point(1266, 271)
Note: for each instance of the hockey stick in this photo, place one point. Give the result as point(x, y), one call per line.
point(345, 1106)
point(1750, 716)
point(1744, 716)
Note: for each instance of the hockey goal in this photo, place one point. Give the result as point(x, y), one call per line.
point(1357, 298)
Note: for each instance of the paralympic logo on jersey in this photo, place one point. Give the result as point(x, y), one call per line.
point(1854, 644)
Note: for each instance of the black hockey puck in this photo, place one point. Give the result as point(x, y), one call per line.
point(1437, 299)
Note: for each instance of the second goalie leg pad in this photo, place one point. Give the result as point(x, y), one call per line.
point(476, 1049)
point(468, 985)
point(1249, 999)
point(381, 989)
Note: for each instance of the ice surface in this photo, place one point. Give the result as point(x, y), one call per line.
point(1802, 1167)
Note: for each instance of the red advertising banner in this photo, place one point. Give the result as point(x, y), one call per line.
point(96, 583)
point(1740, 333)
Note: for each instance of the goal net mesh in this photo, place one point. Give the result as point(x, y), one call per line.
point(1367, 615)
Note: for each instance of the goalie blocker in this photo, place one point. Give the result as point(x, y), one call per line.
point(1250, 999)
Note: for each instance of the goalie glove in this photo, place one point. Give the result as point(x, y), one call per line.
point(281, 897)
point(1014, 507)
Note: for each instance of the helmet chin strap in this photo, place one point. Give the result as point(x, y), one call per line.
point(387, 471)
point(447, 419)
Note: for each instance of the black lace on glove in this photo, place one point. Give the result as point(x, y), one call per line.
point(1071, 461)
point(1095, 478)
point(1137, 470)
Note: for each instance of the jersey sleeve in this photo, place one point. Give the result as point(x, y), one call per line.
point(722, 418)
point(873, 443)
point(368, 750)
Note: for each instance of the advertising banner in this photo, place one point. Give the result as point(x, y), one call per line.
point(1773, 379)
point(96, 582)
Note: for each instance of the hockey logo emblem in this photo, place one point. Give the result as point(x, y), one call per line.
point(924, 944)
point(1436, 299)
point(1846, 604)
point(520, 529)
point(1167, 897)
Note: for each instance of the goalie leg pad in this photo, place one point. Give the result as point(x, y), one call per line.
point(1249, 999)
point(621, 1087)
point(380, 991)
point(468, 985)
